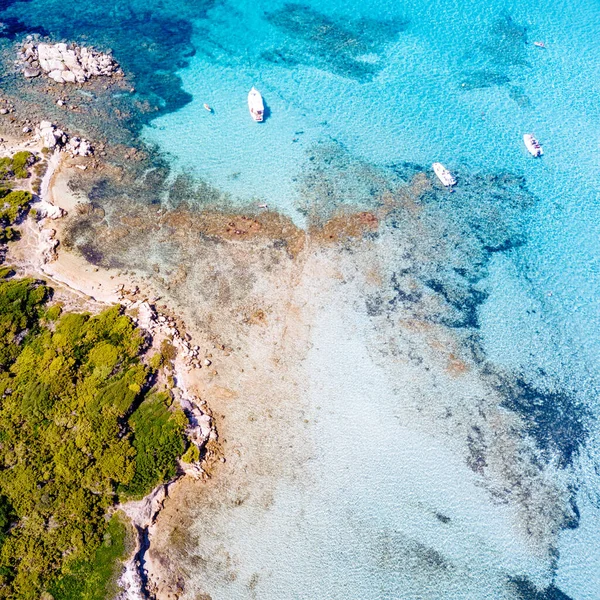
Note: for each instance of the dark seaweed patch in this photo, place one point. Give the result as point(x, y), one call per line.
point(406, 170)
point(92, 254)
point(12, 27)
point(502, 52)
point(472, 80)
point(554, 419)
point(315, 39)
point(465, 299)
point(527, 591)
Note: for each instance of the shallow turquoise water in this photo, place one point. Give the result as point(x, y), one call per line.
point(362, 92)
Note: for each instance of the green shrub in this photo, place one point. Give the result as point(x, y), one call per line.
point(6, 272)
point(95, 579)
point(9, 234)
point(168, 351)
point(17, 166)
point(13, 205)
point(158, 441)
point(20, 163)
point(191, 455)
point(6, 168)
point(76, 429)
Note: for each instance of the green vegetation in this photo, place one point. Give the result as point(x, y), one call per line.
point(12, 205)
point(158, 441)
point(96, 579)
point(17, 166)
point(192, 454)
point(79, 431)
point(6, 168)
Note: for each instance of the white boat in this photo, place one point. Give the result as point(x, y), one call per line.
point(443, 174)
point(255, 104)
point(532, 145)
point(539, 44)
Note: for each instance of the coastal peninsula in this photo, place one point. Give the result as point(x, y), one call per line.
point(277, 359)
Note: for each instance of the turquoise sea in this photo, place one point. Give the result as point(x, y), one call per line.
point(362, 95)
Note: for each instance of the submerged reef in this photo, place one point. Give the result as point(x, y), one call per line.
point(432, 250)
point(347, 47)
point(158, 45)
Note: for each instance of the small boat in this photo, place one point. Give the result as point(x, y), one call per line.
point(539, 44)
point(263, 206)
point(255, 104)
point(534, 147)
point(443, 174)
point(208, 108)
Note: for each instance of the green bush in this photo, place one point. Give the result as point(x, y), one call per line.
point(54, 312)
point(17, 166)
point(158, 441)
point(6, 168)
point(9, 234)
point(191, 455)
point(76, 430)
point(95, 579)
point(20, 163)
point(13, 205)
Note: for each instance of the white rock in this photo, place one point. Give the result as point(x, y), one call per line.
point(56, 76)
point(84, 148)
point(65, 64)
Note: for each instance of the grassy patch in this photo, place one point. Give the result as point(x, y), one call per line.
point(16, 167)
point(12, 205)
point(158, 441)
point(97, 578)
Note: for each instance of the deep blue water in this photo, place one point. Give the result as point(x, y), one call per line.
point(361, 95)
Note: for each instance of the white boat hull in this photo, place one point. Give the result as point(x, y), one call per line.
point(444, 175)
point(533, 146)
point(256, 105)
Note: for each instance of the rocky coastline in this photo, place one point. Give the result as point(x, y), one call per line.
point(65, 63)
point(36, 253)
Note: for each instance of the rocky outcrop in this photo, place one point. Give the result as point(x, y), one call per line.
point(134, 582)
point(66, 63)
point(55, 138)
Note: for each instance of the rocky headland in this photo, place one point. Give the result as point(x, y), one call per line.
point(35, 254)
point(65, 63)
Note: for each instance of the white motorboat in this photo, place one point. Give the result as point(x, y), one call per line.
point(443, 174)
point(534, 147)
point(255, 104)
point(539, 44)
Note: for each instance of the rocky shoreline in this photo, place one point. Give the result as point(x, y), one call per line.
point(65, 63)
point(42, 251)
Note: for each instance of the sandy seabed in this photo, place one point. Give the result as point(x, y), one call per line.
point(332, 379)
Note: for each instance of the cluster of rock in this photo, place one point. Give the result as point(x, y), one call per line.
point(55, 138)
point(151, 321)
point(201, 429)
point(134, 578)
point(66, 63)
